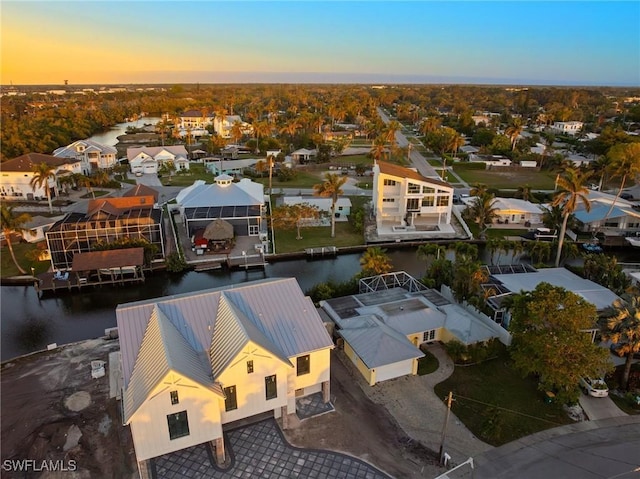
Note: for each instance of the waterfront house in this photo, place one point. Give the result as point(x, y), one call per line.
point(149, 159)
point(196, 362)
point(404, 201)
point(92, 155)
point(343, 205)
point(241, 204)
point(16, 176)
point(512, 211)
point(622, 220)
point(105, 221)
point(36, 229)
point(382, 328)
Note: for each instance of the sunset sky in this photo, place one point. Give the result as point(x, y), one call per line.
point(89, 42)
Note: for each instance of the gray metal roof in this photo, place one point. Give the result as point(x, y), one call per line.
point(379, 345)
point(219, 195)
point(163, 350)
point(277, 308)
point(69, 151)
point(592, 292)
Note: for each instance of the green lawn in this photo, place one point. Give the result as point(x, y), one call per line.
point(352, 160)
point(427, 364)
point(537, 180)
point(317, 237)
point(479, 391)
point(302, 180)
point(196, 172)
point(20, 249)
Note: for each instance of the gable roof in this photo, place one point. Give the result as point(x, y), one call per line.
point(153, 151)
point(277, 308)
point(516, 204)
point(232, 331)
point(26, 162)
point(204, 195)
point(69, 151)
point(116, 206)
point(402, 172)
point(163, 350)
point(195, 114)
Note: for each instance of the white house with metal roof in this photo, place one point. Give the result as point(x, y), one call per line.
point(92, 155)
point(149, 159)
point(192, 363)
point(512, 210)
point(343, 205)
point(623, 218)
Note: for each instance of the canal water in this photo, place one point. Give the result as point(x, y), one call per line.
point(110, 137)
point(30, 323)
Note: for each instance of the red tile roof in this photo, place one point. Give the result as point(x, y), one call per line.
point(121, 204)
point(142, 190)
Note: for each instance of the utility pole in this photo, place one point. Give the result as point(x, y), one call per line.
point(444, 427)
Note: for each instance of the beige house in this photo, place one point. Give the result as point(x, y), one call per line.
point(223, 125)
point(404, 200)
point(193, 363)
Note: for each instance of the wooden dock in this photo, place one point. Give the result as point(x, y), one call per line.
point(246, 262)
point(48, 282)
point(321, 252)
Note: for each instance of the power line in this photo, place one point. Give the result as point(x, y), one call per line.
point(508, 410)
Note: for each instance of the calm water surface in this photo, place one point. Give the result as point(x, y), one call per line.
point(29, 323)
point(110, 137)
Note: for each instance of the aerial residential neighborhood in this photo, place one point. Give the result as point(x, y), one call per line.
point(301, 249)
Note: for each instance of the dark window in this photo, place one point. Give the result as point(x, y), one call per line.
point(230, 398)
point(413, 204)
point(443, 201)
point(304, 365)
point(388, 182)
point(174, 397)
point(178, 425)
point(271, 387)
point(413, 188)
point(427, 201)
point(249, 367)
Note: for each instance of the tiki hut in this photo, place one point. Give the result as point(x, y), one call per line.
point(219, 233)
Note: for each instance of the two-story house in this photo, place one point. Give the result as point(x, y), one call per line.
point(195, 362)
point(16, 176)
point(149, 159)
point(92, 155)
point(404, 200)
point(224, 125)
point(567, 127)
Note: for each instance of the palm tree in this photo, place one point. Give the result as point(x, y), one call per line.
point(429, 125)
point(374, 261)
point(236, 131)
point(524, 192)
point(41, 175)
point(513, 131)
point(260, 128)
point(549, 139)
point(572, 191)
point(625, 163)
point(331, 187)
point(378, 148)
point(12, 224)
point(100, 177)
point(483, 211)
point(620, 323)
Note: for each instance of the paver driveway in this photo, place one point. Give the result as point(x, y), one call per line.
point(260, 451)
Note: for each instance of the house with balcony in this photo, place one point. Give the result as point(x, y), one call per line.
point(92, 155)
point(194, 123)
point(149, 159)
point(196, 362)
point(567, 127)
point(106, 220)
point(405, 202)
point(16, 176)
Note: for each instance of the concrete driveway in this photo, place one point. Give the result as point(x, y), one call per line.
point(599, 408)
point(148, 179)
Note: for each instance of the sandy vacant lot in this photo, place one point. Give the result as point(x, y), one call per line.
point(53, 409)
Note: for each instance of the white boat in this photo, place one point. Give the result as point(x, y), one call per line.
point(635, 242)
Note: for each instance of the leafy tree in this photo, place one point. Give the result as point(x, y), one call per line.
point(294, 216)
point(482, 137)
point(620, 323)
point(430, 252)
point(550, 339)
point(12, 223)
point(571, 192)
point(605, 270)
point(439, 272)
point(538, 251)
point(41, 175)
point(375, 261)
point(331, 187)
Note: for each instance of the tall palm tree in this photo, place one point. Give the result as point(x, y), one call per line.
point(524, 192)
point(625, 163)
point(42, 173)
point(375, 261)
point(260, 128)
point(11, 223)
point(429, 125)
point(236, 131)
point(513, 131)
point(378, 148)
point(571, 192)
point(331, 187)
point(620, 323)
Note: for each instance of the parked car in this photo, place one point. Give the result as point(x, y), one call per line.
point(595, 387)
point(138, 173)
point(626, 196)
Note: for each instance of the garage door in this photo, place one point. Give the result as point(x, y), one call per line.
point(150, 168)
point(394, 370)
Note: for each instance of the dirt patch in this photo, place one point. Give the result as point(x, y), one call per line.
point(53, 410)
point(363, 429)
